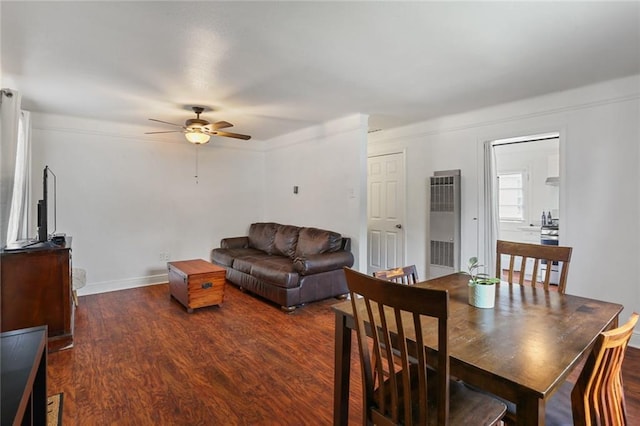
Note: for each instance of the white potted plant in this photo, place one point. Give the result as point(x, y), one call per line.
point(482, 287)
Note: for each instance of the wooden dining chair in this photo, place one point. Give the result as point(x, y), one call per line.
point(403, 275)
point(407, 275)
point(536, 253)
point(597, 398)
point(598, 395)
point(413, 394)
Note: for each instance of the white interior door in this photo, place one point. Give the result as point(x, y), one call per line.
point(385, 195)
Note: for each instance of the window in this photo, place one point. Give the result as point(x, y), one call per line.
point(511, 196)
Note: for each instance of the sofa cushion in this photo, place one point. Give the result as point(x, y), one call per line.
point(286, 241)
point(275, 270)
point(316, 241)
point(245, 263)
point(262, 236)
point(225, 257)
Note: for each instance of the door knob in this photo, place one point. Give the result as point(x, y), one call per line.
point(399, 226)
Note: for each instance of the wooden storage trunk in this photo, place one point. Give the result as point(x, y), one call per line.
point(196, 283)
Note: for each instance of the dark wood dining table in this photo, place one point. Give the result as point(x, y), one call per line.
point(522, 350)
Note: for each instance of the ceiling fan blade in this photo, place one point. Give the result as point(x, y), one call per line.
point(166, 122)
point(220, 125)
point(232, 135)
point(169, 131)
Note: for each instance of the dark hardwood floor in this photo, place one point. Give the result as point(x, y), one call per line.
point(140, 359)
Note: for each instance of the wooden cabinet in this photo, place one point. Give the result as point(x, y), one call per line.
point(23, 362)
point(36, 290)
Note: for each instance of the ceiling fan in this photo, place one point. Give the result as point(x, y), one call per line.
point(199, 131)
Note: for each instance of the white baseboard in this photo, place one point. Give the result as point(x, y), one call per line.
point(107, 286)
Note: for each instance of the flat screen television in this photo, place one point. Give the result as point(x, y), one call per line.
point(47, 220)
point(47, 206)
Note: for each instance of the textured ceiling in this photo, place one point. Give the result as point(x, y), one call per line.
point(275, 67)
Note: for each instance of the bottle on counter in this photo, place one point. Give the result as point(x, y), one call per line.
point(549, 219)
point(543, 221)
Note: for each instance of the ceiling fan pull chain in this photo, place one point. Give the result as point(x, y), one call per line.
point(196, 176)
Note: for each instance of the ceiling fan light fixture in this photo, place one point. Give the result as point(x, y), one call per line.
point(197, 137)
point(199, 131)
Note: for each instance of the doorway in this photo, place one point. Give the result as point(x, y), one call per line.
point(385, 211)
point(527, 176)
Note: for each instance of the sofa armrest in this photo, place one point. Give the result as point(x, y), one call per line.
point(234, 242)
point(324, 262)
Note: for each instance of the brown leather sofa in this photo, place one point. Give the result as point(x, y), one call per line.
point(286, 264)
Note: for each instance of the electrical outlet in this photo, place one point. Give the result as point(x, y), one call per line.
point(166, 255)
point(163, 256)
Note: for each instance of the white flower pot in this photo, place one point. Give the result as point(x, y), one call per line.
point(482, 295)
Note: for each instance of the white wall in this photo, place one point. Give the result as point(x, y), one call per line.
point(328, 164)
point(126, 198)
point(599, 130)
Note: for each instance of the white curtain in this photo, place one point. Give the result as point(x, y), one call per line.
point(19, 213)
point(9, 117)
point(490, 208)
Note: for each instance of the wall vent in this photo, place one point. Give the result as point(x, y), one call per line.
point(442, 254)
point(444, 223)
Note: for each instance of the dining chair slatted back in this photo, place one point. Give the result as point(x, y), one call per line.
point(407, 275)
point(402, 275)
point(536, 254)
point(389, 315)
point(598, 396)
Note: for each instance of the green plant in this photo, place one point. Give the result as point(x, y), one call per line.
point(480, 277)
